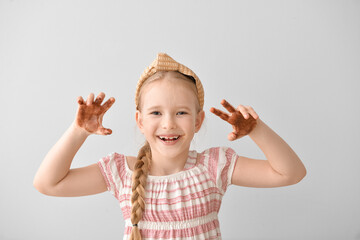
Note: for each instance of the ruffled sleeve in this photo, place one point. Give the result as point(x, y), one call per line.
point(220, 163)
point(113, 169)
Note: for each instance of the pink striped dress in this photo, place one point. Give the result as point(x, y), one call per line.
point(182, 205)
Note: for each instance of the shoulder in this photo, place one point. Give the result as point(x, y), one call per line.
point(216, 152)
point(130, 160)
point(216, 158)
point(219, 163)
point(119, 160)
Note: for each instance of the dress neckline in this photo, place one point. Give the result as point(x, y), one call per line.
point(191, 153)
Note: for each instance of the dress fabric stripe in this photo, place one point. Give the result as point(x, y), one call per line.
point(178, 233)
point(181, 206)
point(170, 201)
point(182, 214)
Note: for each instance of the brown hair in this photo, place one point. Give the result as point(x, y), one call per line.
point(142, 168)
point(139, 177)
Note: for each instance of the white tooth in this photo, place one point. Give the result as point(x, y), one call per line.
point(169, 138)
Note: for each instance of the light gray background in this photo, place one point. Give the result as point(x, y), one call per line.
point(297, 63)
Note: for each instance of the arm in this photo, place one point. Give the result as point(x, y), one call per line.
point(282, 167)
point(54, 176)
point(279, 154)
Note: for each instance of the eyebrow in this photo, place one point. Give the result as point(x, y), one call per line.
point(158, 106)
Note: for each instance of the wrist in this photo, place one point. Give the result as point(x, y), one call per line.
point(259, 124)
point(79, 130)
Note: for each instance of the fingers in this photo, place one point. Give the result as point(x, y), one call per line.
point(246, 111)
point(105, 131)
point(228, 106)
point(253, 113)
point(80, 100)
point(108, 104)
point(99, 98)
point(219, 113)
point(232, 136)
point(90, 99)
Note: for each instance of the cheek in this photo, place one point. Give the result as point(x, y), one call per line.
point(150, 124)
point(189, 124)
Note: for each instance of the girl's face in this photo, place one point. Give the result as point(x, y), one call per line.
point(169, 117)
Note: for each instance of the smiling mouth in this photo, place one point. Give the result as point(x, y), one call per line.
point(169, 139)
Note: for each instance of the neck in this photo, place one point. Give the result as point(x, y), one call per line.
point(162, 165)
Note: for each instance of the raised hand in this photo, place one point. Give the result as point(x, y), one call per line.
point(90, 114)
point(243, 119)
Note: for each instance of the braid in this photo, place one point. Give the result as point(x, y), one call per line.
point(139, 177)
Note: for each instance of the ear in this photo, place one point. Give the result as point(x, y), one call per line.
point(199, 120)
point(139, 120)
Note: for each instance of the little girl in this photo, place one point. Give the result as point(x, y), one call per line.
point(168, 191)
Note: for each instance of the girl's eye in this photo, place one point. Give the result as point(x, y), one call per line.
point(155, 113)
point(182, 113)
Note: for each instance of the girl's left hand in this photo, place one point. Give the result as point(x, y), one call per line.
point(243, 119)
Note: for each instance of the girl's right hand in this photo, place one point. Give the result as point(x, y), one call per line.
point(90, 114)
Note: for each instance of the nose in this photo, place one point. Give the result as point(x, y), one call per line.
point(168, 122)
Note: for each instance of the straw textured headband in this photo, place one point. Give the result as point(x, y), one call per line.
point(164, 62)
